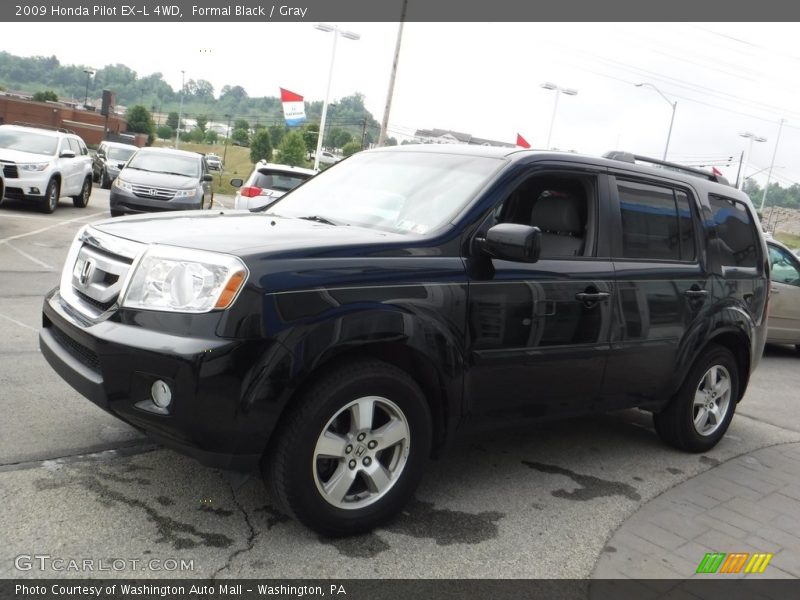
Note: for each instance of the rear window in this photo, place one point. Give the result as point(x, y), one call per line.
point(737, 237)
point(278, 180)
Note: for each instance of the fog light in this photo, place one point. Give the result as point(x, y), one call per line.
point(35, 191)
point(162, 395)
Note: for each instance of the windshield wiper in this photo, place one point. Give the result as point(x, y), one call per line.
point(174, 173)
point(318, 219)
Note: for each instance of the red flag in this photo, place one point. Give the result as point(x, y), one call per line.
point(716, 171)
point(287, 96)
point(521, 142)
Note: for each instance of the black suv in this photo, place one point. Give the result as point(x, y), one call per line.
point(345, 336)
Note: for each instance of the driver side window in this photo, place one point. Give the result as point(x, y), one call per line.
point(783, 267)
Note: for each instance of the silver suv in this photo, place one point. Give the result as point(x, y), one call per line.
point(40, 165)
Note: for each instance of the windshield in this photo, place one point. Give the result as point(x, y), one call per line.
point(403, 192)
point(120, 154)
point(161, 162)
point(26, 141)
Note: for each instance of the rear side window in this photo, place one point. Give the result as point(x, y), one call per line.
point(656, 222)
point(737, 237)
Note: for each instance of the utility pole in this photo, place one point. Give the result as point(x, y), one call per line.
point(180, 112)
point(364, 133)
point(771, 165)
point(390, 93)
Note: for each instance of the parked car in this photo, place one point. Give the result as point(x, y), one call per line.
point(325, 158)
point(157, 179)
point(214, 162)
point(41, 165)
point(107, 161)
point(346, 335)
point(267, 183)
point(784, 303)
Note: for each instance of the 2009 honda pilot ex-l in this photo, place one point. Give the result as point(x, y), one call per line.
point(346, 335)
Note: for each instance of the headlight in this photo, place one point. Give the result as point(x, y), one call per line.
point(186, 193)
point(33, 166)
point(185, 281)
point(123, 185)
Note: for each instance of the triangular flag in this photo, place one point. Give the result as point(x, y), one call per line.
point(521, 142)
point(294, 110)
point(716, 171)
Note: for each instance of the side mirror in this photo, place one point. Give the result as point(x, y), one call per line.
point(512, 241)
point(67, 154)
point(237, 183)
point(120, 165)
point(208, 177)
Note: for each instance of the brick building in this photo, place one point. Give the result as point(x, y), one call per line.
point(87, 124)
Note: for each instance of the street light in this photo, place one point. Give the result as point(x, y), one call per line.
point(753, 138)
point(180, 113)
point(557, 89)
point(674, 105)
point(336, 33)
point(771, 165)
point(89, 74)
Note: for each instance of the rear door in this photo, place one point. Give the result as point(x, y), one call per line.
point(662, 285)
point(784, 301)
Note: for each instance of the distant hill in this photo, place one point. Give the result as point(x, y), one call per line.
point(40, 73)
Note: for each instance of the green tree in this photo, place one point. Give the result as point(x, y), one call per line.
point(211, 137)
point(292, 150)
point(241, 124)
point(45, 96)
point(261, 146)
point(240, 136)
point(140, 121)
point(172, 120)
point(202, 121)
point(196, 135)
point(351, 148)
point(276, 132)
point(310, 134)
point(390, 142)
point(165, 132)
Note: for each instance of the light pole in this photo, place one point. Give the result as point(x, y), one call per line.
point(180, 113)
point(89, 74)
point(674, 105)
point(771, 164)
point(336, 33)
point(753, 138)
point(558, 90)
point(387, 109)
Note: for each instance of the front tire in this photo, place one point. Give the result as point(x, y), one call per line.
point(698, 416)
point(82, 199)
point(51, 196)
point(351, 453)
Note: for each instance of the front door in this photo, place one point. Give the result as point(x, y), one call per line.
point(539, 332)
point(784, 300)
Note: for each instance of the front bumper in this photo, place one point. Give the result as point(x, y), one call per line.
point(27, 186)
point(217, 415)
point(127, 202)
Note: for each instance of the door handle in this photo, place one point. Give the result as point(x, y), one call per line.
point(591, 296)
point(696, 293)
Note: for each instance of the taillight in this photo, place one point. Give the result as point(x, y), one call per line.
point(250, 191)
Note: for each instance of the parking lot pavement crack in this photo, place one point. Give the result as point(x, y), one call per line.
point(251, 536)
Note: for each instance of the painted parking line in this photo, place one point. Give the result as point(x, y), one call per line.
point(31, 258)
point(43, 229)
point(20, 323)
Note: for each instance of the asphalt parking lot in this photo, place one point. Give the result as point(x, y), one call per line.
point(536, 503)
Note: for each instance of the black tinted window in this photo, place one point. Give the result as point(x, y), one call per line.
point(656, 222)
point(278, 180)
point(737, 238)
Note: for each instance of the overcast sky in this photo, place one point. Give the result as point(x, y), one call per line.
point(484, 79)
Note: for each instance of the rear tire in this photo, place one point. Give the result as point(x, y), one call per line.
point(343, 461)
point(698, 416)
point(82, 199)
point(51, 196)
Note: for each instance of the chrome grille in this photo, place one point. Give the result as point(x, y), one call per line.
point(156, 193)
point(96, 271)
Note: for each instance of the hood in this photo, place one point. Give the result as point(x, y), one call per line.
point(157, 179)
point(244, 233)
point(6, 154)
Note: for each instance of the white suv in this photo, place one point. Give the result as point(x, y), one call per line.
point(267, 183)
point(40, 165)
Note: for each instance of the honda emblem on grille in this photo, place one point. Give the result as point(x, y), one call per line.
point(86, 272)
point(152, 192)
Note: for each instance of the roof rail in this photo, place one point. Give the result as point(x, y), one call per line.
point(48, 127)
point(634, 158)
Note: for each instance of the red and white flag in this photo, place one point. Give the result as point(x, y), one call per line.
point(294, 109)
point(522, 142)
point(716, 171)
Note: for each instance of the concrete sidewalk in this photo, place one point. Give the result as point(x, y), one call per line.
point(750, 503)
